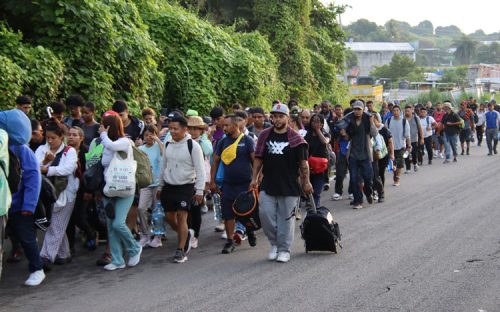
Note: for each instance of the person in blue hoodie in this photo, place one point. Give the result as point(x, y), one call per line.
point(21, 213)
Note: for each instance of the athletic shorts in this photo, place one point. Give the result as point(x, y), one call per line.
point(465, 135)
point(398, 158)
point(177, 197)
point(229, 194)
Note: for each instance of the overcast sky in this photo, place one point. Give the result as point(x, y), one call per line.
point(469, 16)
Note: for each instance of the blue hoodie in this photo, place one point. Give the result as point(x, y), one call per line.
point(18, 126)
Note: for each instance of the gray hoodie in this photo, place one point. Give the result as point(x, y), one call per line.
point(178, 167)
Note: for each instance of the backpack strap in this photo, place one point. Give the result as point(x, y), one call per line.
point(189, 143)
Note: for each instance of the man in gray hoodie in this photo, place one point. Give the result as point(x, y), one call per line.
point(182, 175)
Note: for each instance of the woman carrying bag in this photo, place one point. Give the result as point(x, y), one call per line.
point(119, 175)
point(58, 162)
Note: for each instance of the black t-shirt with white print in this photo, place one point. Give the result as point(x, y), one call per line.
point(281, 166)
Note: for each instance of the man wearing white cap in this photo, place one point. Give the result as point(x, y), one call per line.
point(280, 154)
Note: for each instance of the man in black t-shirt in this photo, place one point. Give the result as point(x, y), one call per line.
point(281, 153)
point(451, 122)
point(132, 126)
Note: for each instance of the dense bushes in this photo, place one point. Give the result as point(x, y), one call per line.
point(38, 73)
point(153, 52)
point(206, 65)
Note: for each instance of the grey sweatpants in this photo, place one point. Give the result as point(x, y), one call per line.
point(492, 139)
point(277, 215)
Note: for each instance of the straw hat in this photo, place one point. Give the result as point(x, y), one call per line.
point(196, 122)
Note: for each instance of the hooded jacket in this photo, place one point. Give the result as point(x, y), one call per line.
point(178, 167)
point(18, 126)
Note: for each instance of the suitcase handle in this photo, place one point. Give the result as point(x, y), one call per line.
point(313, 204)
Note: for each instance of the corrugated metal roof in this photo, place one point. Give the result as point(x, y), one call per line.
point(379, 46)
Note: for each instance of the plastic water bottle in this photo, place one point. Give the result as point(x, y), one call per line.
point(390, 165)
point(217, 207)
point(158, 220)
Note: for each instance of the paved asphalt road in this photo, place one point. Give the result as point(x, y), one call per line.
point(434, 245)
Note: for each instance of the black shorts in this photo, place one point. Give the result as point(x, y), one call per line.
point(177, 197)
point(465, 135)
point(398, 158)
point(227, 208)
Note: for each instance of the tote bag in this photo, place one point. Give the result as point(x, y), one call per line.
point(120, 177)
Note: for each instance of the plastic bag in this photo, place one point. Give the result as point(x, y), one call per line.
point(120, 176)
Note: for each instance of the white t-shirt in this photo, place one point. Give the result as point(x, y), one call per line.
point(427, 127)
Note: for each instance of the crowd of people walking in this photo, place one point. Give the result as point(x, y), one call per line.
point(116, 178)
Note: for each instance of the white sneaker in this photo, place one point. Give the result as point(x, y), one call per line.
point(351, 196)
point(188, 246)
point(204, 209)
point(35, 278)
point(336, 196)
point(224, 235)
point(194, 242)
point(112, 267)
point(441, 155)
point(133, 261)
point(407, 171)
point(155, 242)
point(273, 253)
point(144, 240)
point(283, 257)
point(375, 197)
point(220, 227)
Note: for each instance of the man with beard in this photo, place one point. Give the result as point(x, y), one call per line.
point(281, 153)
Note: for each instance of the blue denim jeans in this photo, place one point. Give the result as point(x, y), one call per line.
point(450, 145)
point(361, 171)
point(22, 228)
point(318, 183)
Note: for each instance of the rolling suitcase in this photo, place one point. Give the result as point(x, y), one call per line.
point(319, 231)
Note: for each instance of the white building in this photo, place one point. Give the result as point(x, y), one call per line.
point(373, 54)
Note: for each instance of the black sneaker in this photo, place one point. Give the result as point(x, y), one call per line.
point(61, 261)
point(381, 199)
point(104, 260)
point(180, 256)
point(228, 247)
point(252, 239)
point(369, 199)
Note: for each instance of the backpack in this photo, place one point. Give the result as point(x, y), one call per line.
point(379, 144)
point(144, 173)
point(404, 125)
point(190, 146)
point(14, 176)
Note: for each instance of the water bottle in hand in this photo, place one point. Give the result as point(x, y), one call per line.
point(390, 165)
point(158, 220)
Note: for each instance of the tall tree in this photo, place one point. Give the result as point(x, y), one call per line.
point(466, 50)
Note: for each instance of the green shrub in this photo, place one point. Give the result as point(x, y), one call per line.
point(43, 70)
point(105, 46)
point(11, 81)
point(206, 65)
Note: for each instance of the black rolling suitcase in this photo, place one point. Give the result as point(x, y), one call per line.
point(319, 231)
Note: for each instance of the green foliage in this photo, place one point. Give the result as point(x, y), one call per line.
point(456, 75)
point(43, 71)
point(206, 65)
point(401, 67)
point(434, 96)
point(489, 54)
point(11, 81)
point(466, 50)
point(105, 46)
point(285, 23)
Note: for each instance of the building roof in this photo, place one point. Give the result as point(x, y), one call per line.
point(379, 46)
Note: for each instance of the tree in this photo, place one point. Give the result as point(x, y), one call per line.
point(489, 54)
point(450, 31)
point(466, 50)
point(424, 28)
point(401, 67)
point(364, 30)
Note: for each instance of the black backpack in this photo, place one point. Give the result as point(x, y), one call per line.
point(14, 177)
